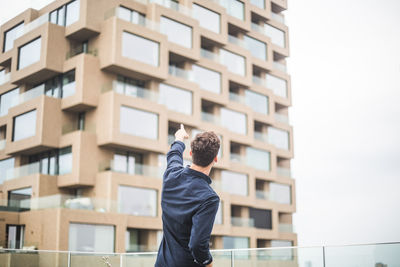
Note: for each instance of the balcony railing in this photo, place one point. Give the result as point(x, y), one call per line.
point(2, 144)
point(209, 117)
point(210, 55)
point(237, 98)
point(285, 172)
point(286, 228)
point(263, 137)
point(385, 254)
point(5, 78)
point(136, 169)
point(33, 25)
point(128, 90)
point(260, 194)
point(279, 66)
point(179, 72)
point(278, 17)
point(281, 118)
point(24, 170)
point(238, 158)
point(242, 222)
point(73, 127)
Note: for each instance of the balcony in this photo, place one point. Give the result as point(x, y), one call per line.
point(5, 78)
point(284, 172)
point(137, 169)
point(242, 222)
point(385, 254)
point(286, 228)
point(281, 118)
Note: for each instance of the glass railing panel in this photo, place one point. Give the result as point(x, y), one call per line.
point(282, 118)
point(30, 94)
point(222, 258)
point(237, 98)
point(137, 169)
point(32, 258)
point(209, 55)
point(286, 228)
point(209, 117)
point(134, 91)
point(73, 127)
point(285, 172)
point(238, 158)
point(236, 41)
point(2, 144)
point(262, 195)
point(5, 78)
point(363, 255)
point(179, 72)
point(92, 260)
point(263, 137)
point(139, 259)
point(242, 222)
point(279, 66)
point(277, 17)
point(33, 25)
point(24, 170)
point(259, 81)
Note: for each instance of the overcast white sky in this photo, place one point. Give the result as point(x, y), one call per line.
point(345, 67)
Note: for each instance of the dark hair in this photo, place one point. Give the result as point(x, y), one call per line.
point(204, 147)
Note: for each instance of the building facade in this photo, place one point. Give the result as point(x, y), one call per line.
point(91, 93)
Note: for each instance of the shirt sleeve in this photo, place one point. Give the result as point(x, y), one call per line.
point(175, 156)
point(202, 224)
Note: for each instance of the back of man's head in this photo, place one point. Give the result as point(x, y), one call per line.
point(205, 148)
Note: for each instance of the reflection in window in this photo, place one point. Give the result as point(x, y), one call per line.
point(29, 53)
point(137, 201)
point(5, 166)
point(66, 14)
point(234, 183)
point(91, 237)
point(257, 102)
point(138, 122)
point(234, 121)
point(175, 99)
point(11, 35)
point(277, 36)
point(54, 162)
point(24, 126)
point(234, 62)
point(8, 100)
point(257, 48)
point(20, 198)
point(208, 19)
point(207, 79)
point(176, 32)
point(258, 159)
point(149, 50)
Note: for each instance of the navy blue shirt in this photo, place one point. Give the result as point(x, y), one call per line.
point(189, 206)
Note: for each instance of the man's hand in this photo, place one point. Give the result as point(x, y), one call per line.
point(181, 134)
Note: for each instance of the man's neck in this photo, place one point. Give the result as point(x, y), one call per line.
point(205, 170)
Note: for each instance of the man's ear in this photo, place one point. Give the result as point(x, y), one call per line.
point(190, 152)
point(216, 159)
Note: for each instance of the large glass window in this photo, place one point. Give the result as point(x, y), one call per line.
point(128, 162)
point(91, 237)
point(8, 100)
point(262, 218)
point(208, 19)
point(137, 201)
point(207, 79)
point(24, 126)
point(234, 62)
point(15, 236)
point(280, 193)
point(278, 138)
point(131, 15)
point(258, 159)
point(5, 166)
point(235, 8)
point(54, 162)
point(61, 86)
point(277, 36)
point(141, 49)
point(138, 122)
point(11, 35)
point(66, 14)
point(257, 48)
point(234, 183)
point(175, 99)
point(176, 32)
point(20, 198)
point(234, 121)
point(233, 242)
point(277, 85)
point(29, 53)
point(257, 102)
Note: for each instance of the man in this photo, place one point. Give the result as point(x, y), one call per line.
point(188, 202)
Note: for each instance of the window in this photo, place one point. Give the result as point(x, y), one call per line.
point(138, 122)
point(128, 162)
point(258, 3)
point(175, 99)
point(8, 100)
point(29, 53)
point(234, 121)
point(131, 87)
point(257, 48)
point(233, 242)
point(11, 35)
point(24, 126)
point(280, 193)
point(234, 183)
point(234, 62)
point(137, 201)
point(234, 8)
point(258, 159)
point(208, 19)
point(54, 162)
point(68, 84)
point(207, 79)
point(278, 138)
point(15, 236)
point(257, 102)
point(219, 219)
point(91, 237)
point(66, 14)
point(131, 15)
point(277, 36)
point(176, 32)
point(5, 166)
point(262, 218)
point(149, 50)
point(277, 85)
point(81, 121)
point(20, 198)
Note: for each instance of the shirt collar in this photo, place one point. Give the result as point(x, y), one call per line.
point(198, 174)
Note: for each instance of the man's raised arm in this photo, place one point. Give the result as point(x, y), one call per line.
point(174, 155)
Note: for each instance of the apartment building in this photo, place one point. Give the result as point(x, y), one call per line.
point(91, 93)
